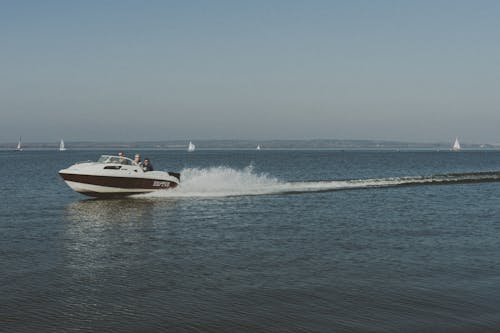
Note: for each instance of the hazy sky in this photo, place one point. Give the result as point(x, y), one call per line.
point(161, 70)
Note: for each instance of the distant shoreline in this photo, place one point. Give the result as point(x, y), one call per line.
point(316, 144)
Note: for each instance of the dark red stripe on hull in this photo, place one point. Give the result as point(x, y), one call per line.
point(120, 182)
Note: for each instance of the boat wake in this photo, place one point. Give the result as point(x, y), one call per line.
point(226, 182)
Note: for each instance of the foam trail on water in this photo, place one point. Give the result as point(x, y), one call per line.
point(224, 181)
point(220, 182)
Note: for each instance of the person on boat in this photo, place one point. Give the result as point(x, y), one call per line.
point(137, 160)
point(122, 158)
point(146, 165)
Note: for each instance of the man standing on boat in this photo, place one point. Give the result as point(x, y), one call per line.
point(137, 160)
point(122, 158)
point(147, 166)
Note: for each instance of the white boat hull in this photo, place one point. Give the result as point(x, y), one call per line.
point(112, 179)
point(99, 190)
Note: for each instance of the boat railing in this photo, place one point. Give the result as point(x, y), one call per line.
point(87, 161)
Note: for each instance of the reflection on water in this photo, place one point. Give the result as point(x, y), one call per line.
point(99, 212)
point(96, 229)
point(108, 247)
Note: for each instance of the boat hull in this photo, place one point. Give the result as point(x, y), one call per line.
point(113, 176)
point(113, 186)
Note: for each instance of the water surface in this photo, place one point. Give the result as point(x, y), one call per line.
point(267, 241)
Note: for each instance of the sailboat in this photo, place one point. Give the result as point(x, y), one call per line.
point(19, 146)
point(456, 145)
point(258, 147)
point(61, 146)
point(191, 147)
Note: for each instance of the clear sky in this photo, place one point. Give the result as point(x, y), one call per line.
point(161, 70)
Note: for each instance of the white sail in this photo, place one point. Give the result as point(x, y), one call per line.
point(191, 146)
point(61, 146)
point(258, 147)
point(19, 146)
point(456, 145)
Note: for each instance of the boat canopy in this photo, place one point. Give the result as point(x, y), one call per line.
point(115, 160)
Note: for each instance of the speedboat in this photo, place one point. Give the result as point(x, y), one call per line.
point(113, 176)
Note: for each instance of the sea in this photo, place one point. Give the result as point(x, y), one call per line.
point(256, 241)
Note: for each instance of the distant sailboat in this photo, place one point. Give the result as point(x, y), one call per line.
point(456, 145)
point(191, 146)
point(61, 146)
point(19, 146)
point(258, 147)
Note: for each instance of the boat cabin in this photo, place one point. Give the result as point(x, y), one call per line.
point(108, 159)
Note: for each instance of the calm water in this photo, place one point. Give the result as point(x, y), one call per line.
point(268, 241)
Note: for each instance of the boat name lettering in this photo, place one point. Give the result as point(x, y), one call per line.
point(158, 183)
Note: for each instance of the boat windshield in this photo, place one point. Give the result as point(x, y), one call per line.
point(114, 159)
